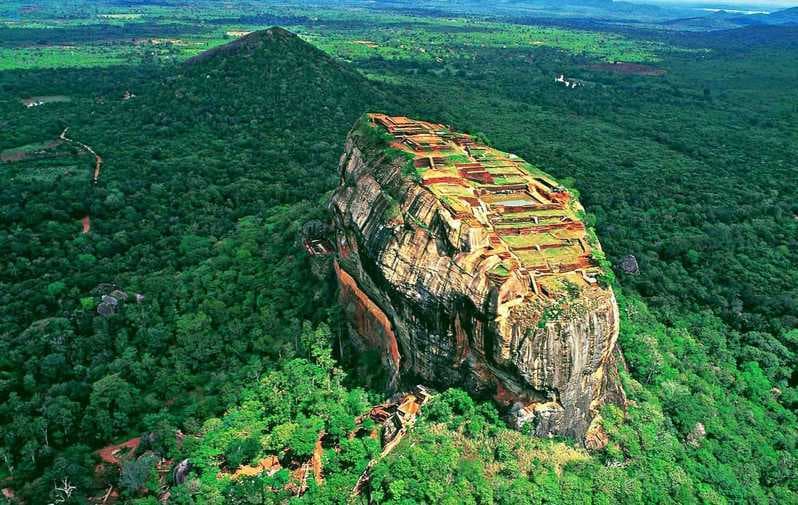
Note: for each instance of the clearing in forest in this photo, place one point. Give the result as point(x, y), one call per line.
point(23, 152)
point(35, 101)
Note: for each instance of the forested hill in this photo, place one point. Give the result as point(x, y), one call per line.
point(275, 77)
point(209, 173)
point(259, 44)
point(266, 97)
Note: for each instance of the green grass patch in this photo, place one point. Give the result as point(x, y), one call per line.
point(508, 180)
point(500, 269)
point(46, 174)
point(457, 158)
point(533, 170)
point(28, 148)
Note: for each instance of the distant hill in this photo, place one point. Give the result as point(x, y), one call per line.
point(750, 37)
point(714, 21)
point(723, 20)
point(783, 17)
point(585, 10)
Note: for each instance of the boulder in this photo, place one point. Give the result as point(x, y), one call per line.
point(181, 471)
point(106, 309)
point(696, 435)
point(629, 264)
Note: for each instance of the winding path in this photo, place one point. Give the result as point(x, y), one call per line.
point(98, 163)
point(98, 160)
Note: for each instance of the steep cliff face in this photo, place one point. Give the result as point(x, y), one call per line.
point(468, 267)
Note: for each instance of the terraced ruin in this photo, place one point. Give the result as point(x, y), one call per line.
point(464, 265)
point(530, 222)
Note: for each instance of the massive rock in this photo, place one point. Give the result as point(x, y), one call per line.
point(466, 266)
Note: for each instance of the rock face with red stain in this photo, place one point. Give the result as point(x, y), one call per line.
point(487, 283)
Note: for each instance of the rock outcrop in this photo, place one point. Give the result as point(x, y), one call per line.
point(468, 267)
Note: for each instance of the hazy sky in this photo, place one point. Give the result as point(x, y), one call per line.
point(746, 4)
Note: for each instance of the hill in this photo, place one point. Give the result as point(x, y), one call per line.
point(274, 79)
point(723, 20)
point(267, 74)
point(783, 17)
point(258, 44)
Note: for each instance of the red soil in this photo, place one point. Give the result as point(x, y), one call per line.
point(316, 460)
point(445, 180)
point(110, 453)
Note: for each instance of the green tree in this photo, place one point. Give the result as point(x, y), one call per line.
point(111, 402)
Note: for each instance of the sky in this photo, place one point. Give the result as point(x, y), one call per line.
point(745, 4)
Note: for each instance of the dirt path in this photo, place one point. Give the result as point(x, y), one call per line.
point(315, 461)
point(98, 163)
point(366, 475)
point(110, 454)
point(98, 160)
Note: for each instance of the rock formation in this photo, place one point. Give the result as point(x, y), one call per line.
point(629, 264)
point(466, 266)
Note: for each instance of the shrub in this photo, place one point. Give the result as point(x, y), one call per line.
point(241, 452)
